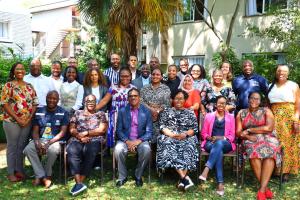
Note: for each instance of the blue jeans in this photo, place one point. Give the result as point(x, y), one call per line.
point(215, 159)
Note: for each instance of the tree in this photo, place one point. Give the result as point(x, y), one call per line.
point(225, 47)
point(125, 19)
point(284, 29)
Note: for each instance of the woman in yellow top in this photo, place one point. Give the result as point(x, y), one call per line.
point(19, 103)
point(227, 74)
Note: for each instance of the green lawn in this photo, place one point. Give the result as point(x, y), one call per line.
point(155, 190)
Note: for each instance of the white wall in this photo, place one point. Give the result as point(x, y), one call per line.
point(19, 32)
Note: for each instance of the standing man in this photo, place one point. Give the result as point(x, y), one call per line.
point(49, 126)
point(72, 61)
point(247, 83)
point(144, 78)
point(113, 71)
point(154, 63)
point(132, 63)
point(184, 66)
point(92, 64)
point(56, 77)
point(134, 130)
point(41, 83)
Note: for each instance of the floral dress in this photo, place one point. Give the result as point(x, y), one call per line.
point(178, 154)
point(266, 145)
point(119, 100)
point(21, 99)
point(211, 98)
point(202, 86)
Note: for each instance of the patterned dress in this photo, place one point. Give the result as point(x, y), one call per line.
point(266, 145)
point(202, 86)
point(211, 98)
point(20, 98)
point(119, 100)
point(178, 154)
point(160, 97)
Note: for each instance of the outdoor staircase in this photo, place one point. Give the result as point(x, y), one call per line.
point(54, 41)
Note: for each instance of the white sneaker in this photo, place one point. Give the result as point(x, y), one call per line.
point(188, 183)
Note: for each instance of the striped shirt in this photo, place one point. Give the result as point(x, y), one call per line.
point(112, 75)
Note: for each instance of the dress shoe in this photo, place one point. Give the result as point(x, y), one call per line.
point(138, 182)
point(36, 182)
point(46, 182)
point(20, 175)
point(269, 194)
point(121, 182)
point(13, 178)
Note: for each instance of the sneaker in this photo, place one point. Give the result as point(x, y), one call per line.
point(188, 183)
point(269, 194)
point(180, 184)
point(78, 188)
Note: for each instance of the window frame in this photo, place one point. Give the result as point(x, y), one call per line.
point(178, 19)
point(263, 12)
point(176, 59)
point(7, 37)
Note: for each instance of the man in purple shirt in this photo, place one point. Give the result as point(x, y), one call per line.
point(134, 130)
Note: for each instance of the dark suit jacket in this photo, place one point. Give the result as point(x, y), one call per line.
point(138, 82)
point(145, 128)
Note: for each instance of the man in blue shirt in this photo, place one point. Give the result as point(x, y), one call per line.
point(49, 126)
point(246, 83)
point(134, 130)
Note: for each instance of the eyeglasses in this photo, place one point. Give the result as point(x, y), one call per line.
point(196, 71)
point(135, 96)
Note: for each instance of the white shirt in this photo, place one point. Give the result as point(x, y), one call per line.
point(57, 82)
point(95, 91)
point(284, 93)
point(42, 86)
point(69, 87)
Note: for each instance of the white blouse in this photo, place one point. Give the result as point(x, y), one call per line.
point(285, 93)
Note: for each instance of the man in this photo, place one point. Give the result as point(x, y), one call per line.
point(92, 64)
point(134, 130)
point(49, 126)
point(72, 61)
point(41, 83)
point(154, 63)
point(113, 71)
point(184, 66)
point(144, 79)
point(246, 83)
point(132, 63)
point(56, 77)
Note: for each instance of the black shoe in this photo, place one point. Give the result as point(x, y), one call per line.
point(121, 182)
point(138, 182)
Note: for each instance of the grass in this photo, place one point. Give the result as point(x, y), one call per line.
point(155, 190)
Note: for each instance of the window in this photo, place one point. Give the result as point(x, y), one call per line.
point(4, 34)
point(192, 60)
point(279, 57)
point(192, 11)
point(257, 7)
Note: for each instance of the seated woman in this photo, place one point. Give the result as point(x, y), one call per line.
point(177, 143)
point(218, 135)
point(193, 102)
point(255, 125)
point(87, 128)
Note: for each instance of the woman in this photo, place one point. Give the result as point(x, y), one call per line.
point(218, 89)
point(200, 83)
point(193, 102)
point(87, 128)
point(156, 97)
point(95, 83)
point(71, 92)
point(255, 126)
point(177, 143)
point(173, 80)
point(227, 74)
point(19, 103)
point(218, 134)
point(284, 96)
point(118, 95)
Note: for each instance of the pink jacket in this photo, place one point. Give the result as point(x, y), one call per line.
point(229, 128)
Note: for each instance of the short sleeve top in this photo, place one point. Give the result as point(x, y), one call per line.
point(284, 93)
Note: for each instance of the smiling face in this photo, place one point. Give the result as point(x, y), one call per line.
point(187, 83)
point(94, 76)
point(217, 77)
point(247, 68)
point(115, 61)
point(125, 78)
point(254, 101)
point(183, 66)
point(90, 103)
point(35, 68)
point(52, 100)
point(196, 72)
point(19, 72)
point(156, 76)
point(225, 68)
point(145, 71)
point(172, 72)
point(178, 101)
point(56, 70)
point(71, 74)
point(134, 99)
point(221, 104)
point(282, 73)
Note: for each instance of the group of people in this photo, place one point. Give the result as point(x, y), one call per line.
point(172, 116)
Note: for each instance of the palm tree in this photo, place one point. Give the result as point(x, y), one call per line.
point(124, 19)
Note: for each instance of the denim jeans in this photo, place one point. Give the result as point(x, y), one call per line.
point(215, 159)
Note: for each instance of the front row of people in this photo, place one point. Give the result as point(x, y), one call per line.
point(176, 145)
